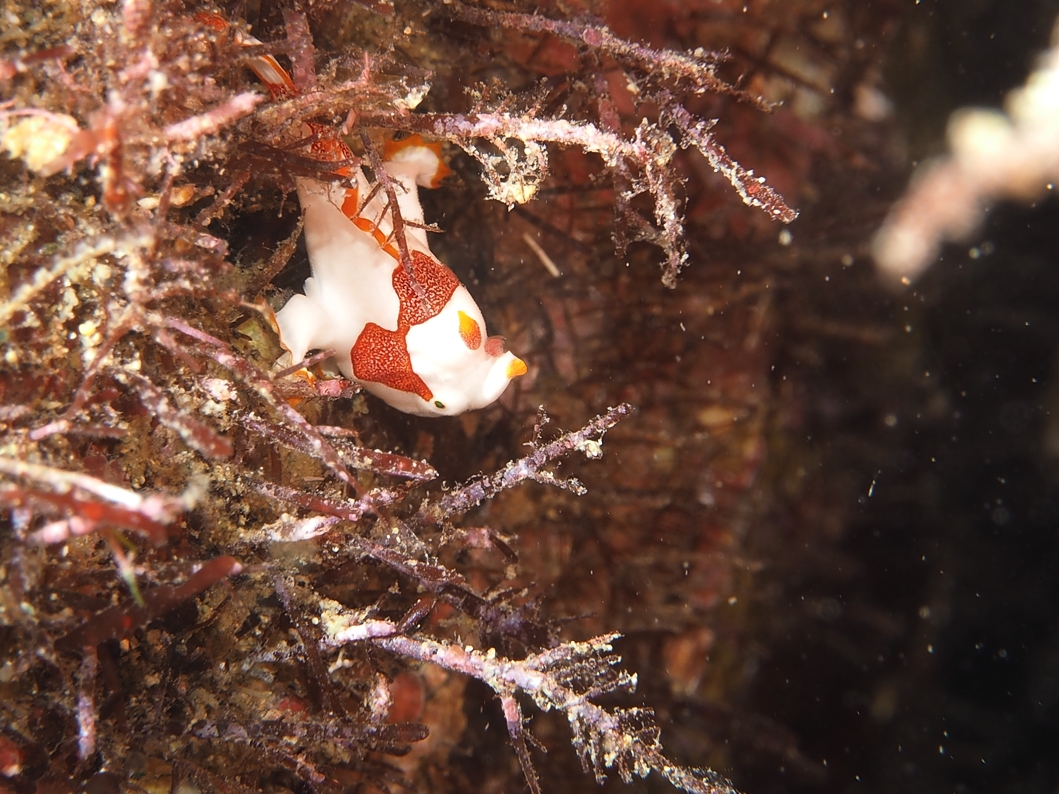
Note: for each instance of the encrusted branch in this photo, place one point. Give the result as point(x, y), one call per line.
point(697, 68)
point(227, 357)
point(752, 189)
point(647, 154)
point(588, 440)
point(563, 678)
point(91, 501)
point(396, 219)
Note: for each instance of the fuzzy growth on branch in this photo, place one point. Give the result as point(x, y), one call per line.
point(565, 678)
point(509, 144)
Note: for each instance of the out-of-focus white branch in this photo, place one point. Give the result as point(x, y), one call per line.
point(994, 156)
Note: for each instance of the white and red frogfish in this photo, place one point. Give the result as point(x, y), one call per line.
point(424, 351)
point(417, 342)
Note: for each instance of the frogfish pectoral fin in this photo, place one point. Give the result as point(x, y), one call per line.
point(381, 356)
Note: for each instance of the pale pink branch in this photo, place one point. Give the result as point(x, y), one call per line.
point(697, 68)
point(752, 189)
point(302, 50)
point(155, 506)
point(214, 120)
point(24, 61)
point(587, 440)
point(563, 678)
point(195, 433)
point(86, 706)
point(63, 530)
point(225, 355)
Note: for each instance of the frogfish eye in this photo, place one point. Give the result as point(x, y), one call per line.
point(439, 404)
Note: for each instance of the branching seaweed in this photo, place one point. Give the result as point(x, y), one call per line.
point(565, 678)
point(141, 426)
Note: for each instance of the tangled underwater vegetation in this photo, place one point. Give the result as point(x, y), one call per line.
point(223, 575)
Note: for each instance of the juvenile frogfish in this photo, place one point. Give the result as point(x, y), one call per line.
point(422, 347)
point(416, 340)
